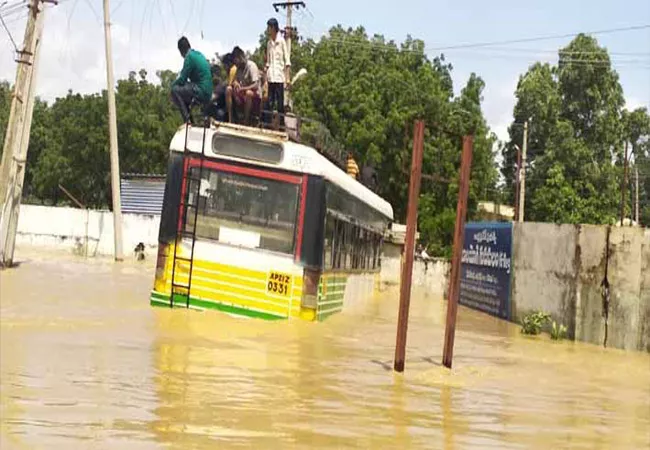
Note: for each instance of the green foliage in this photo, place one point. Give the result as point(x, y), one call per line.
point(5, 107)
point(577, 130)
point(558, 332)
point(69, 139)
point(368, 92)
point(365, 90)
point(637, 132)
point(532, 323)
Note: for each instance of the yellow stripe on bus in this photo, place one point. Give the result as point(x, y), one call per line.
point(229, 288)
point(237, 286)
point(231, 274)
point(241, 299)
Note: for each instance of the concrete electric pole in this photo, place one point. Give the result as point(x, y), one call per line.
point(636, 202)
point(517, 180)
point(522, 171)
point(112, 128)
point(14, 157)
point(624, 185)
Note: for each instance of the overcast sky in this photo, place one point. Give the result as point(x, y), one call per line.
point(145, 34)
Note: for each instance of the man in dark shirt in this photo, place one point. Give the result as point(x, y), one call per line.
point(194, 81)
point(369, 176)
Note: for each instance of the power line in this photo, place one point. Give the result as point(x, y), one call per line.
point(189, 17)
point(8, 33)
point(14, 8)
point(395, 47)
point(540, 38)
point(92, 7)
point(564, 52)
point(632, 63)
point(117, 7)
point(175, 23)
point(162, 19)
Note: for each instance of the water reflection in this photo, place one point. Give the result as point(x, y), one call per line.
point(86, 363)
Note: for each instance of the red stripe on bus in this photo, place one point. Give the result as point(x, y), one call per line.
point(259, 173)
point(301, 217)
point(181, 204)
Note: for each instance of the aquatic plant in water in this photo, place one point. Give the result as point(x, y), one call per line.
point(558, 331)
point(532, 323)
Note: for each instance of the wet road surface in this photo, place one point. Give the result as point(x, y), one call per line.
point(85, 362)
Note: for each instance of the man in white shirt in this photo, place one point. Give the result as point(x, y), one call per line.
point(277, 66)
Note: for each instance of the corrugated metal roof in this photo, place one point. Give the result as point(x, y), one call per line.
point(142, 194)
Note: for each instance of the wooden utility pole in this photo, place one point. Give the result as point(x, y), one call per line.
point(409, 245)
point(289, 32)
point(459, 236)
point(112, 128)
point(636, 202)
point(624, 185)
point(522, 171)
point(14, 157)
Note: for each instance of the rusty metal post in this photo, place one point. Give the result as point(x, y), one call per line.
point(409, 245)
point(459, 233)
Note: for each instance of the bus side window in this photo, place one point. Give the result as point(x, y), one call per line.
point(349, 245)
point(337, 243)
point(375, 251)
point(330, 241)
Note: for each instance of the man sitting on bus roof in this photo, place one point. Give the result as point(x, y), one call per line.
point(369, 174)
point(194, 82)
point(228, 62)
point(246, 88)
point(217, 108)
point(352, 167)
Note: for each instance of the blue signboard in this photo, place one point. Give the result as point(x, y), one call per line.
point(486, 267)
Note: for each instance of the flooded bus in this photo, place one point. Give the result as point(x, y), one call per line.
point(255, 224)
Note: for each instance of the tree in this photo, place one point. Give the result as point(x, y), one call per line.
point(365, 92)
point(539, 103)
point(576, 127)
point(5, 108)
point(368, 92)
point(146, 124)
point(636, 131)
point(75, 153)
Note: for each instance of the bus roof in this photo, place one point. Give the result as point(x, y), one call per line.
point(295, 158)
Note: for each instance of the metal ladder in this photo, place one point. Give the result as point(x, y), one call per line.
point(178, 288)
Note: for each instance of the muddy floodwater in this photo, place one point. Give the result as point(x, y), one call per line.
point(87, 363)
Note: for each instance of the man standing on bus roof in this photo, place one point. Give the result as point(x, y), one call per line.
point(369, 174)
point(246, 88)
point(194, 82)
point(277, 66)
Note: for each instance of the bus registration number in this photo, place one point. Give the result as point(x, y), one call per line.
point(278, 283)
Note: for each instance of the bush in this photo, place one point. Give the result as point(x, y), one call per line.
point(532, 323)
point(558, 332)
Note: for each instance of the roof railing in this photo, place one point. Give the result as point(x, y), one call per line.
point(294, 128)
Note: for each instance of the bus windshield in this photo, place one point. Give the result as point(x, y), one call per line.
point(244, 210)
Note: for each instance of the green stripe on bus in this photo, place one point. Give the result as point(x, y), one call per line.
point(180, 301)
point(323, 316)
